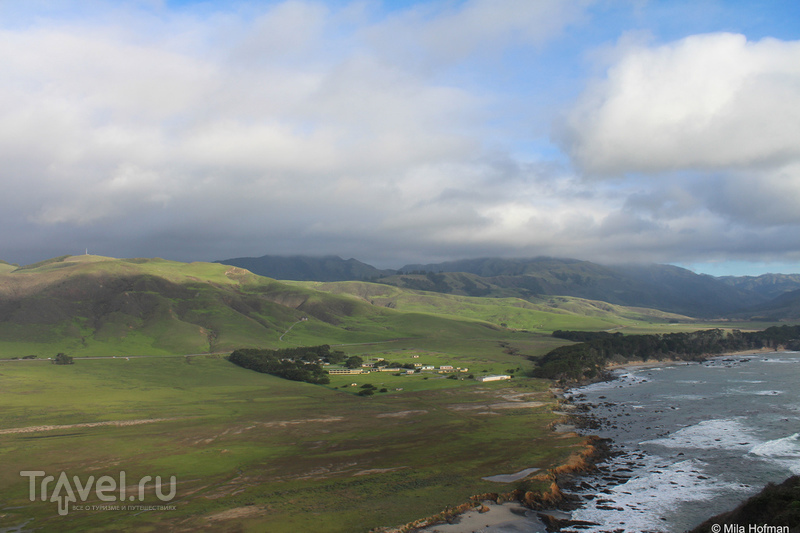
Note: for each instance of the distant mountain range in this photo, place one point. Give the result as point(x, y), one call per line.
point(664, 287)
point(784, 307)
point(768, 285)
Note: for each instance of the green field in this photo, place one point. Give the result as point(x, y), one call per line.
point(252, 452)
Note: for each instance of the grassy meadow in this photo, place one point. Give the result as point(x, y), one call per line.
point(252, 452)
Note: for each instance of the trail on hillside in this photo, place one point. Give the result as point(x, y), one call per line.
point(290, 329)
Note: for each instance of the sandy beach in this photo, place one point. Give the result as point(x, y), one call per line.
point(495, 518)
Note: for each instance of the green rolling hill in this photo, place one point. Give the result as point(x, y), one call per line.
point(92, 305)
point(541, 314)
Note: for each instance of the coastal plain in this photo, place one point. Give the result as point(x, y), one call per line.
point(151, 393)
point(252, 451)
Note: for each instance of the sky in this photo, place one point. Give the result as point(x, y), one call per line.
point(403, 131)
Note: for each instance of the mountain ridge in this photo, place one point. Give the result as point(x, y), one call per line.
point(769, 285)
point(664, 287)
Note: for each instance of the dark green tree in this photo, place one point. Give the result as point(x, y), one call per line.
point(354, 361)
point(63, 359)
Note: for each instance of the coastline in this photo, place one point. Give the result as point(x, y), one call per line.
point(487, 513)
point(651, 363)
point(539, 511)
point(584, 417)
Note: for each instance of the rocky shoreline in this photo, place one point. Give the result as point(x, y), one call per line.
point(608, 467)
point(546, 504)
point(551, 506)
point(775, 505)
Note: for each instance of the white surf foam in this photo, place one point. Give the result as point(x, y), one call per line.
point(622, 379)
point(740, 390)
point(786, 446)
point(784, 451)
point(642, 503)
point(681, 397)
point(723, 433)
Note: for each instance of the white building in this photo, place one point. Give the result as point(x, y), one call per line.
point(498, 377)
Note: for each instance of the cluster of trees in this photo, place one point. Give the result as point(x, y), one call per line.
point(595, 350)
point(389, 364)
point(63, 359)
point(297, 364)
point(60, 358)
point(354, 361)
point(368, 389)
point(311, 354)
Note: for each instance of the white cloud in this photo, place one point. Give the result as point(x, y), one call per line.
point(433, 35)
point(766, 198)
point(300, 127)
point(125, 190)
point(81, 107)
point(285, 31)
point(713, 101)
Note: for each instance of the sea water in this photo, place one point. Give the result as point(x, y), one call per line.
point(695, 440)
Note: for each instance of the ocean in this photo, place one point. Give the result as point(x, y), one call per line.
point(694, 440)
